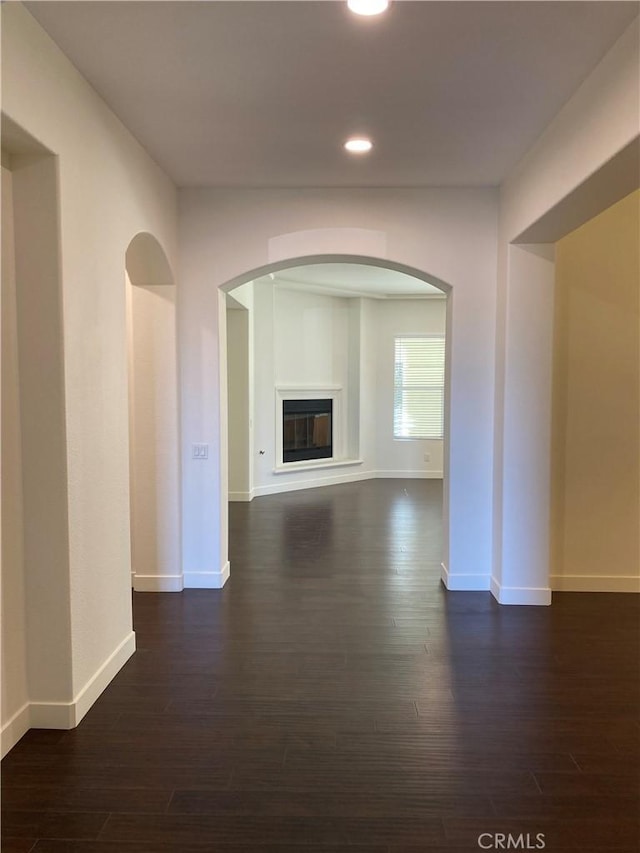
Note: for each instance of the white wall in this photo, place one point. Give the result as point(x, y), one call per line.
point(239, 413)
point(264, 433)
point(395, 317)
point(367, 347)
point(43, 468)
point(596, 471)
point(449, 234)
point(240, 395)
point(15, 694)
point(156, 560)
point(594, 126)
point(311, 338)
point(108, 191)
point(527, 430)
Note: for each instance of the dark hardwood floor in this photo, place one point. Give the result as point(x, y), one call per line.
point(334, 697)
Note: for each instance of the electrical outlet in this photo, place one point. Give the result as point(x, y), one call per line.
point(200, 451)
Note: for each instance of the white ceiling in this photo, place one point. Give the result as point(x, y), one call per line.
point(264, 93)
point(353, 280)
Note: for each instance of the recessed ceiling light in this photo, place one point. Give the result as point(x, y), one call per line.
point(367, 7)
point(358, 145)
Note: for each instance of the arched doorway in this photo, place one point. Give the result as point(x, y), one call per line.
point(345, 464)
point(232, 249)
point(153, 418)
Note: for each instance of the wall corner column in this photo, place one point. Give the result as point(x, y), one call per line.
point(522, 482)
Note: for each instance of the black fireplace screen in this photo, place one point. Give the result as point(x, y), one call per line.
point(307, 430)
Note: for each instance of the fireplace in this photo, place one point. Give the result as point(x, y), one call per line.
point(307, 429)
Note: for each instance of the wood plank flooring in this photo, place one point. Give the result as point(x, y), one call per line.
point(334, 697)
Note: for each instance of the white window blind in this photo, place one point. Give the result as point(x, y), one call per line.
point(418, 401)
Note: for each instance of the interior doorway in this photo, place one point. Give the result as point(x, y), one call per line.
point(36, 651)
point(336, 374)
point(153, 418)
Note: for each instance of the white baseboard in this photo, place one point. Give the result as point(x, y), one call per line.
point(316, 482)
point(595, 583)
point(176, 583)
point(52, 715)
point(408, 475)
point(539, 596)
point(207, 580)
point(103, 677)
point(337, 479)
point(463, 583)
point(15, 728)
point(158, 583)
point(241, 497)
point(67, 715)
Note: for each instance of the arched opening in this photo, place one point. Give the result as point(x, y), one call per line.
point(153, 418)
point(327, 328)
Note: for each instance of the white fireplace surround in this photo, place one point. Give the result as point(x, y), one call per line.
point(312, 392)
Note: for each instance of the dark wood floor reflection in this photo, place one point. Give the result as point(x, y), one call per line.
point(334, 697)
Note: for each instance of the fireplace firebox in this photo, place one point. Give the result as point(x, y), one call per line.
point(307, 430)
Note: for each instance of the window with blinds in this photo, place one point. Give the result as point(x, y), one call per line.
point(418, 400)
